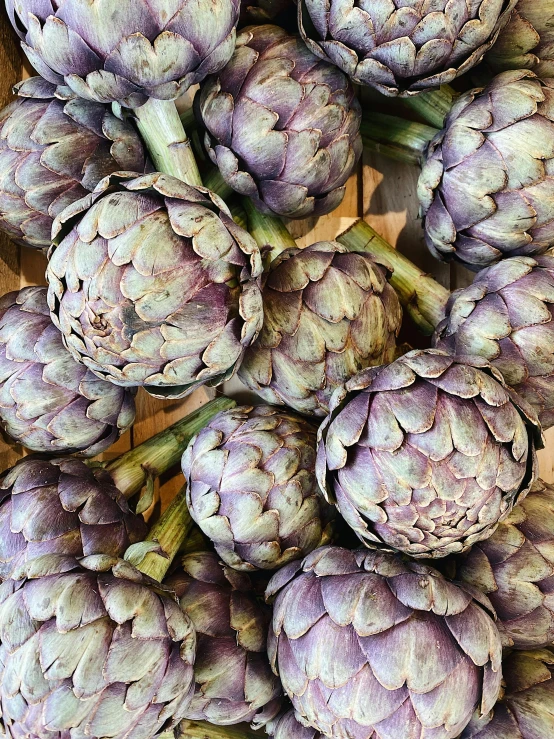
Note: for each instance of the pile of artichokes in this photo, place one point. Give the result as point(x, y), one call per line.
point(363, 548)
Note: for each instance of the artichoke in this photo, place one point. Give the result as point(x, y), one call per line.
point(369, 645)
point(515, 568)
point(427, 454)
point(402, 47)
point(327, 315)
point(505, 316)
point(98, 651)
point(527, 42)
point(251, 487)
point(282, 126)
point(526, 710)
point(233, 679)
point(53, 152)
point(49, 402)
point(153, 284)
point(485, 188)
point(126, 50)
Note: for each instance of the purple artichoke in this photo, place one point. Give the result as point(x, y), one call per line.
point(526, 710)
point(153, 284)
point(49, 402)
point(485, 187)
point(505, 316)
point(402, 47)
point(234, 681)
point(428, 454)
point(58, 509)
point(368, 645)
point(52, 153)
point(126, 50)
point(252, 489)
point(327, 315)
point(282, 126)
point(99, 651)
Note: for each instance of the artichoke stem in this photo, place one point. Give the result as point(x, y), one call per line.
point(170, 533)
point(204, 730)
point(433, 106)
point(422, 297)
point(170, 149)
point(215, 182)
point(405, 141)
point(158, 454)
point(269, 232)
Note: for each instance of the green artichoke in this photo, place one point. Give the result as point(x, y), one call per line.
point(49, 402)
point(98, 651)
point(251, 487)
point(327, 315)
point(526, 710)
point(52, 152)
point(527, 42)
point(485, 187)
point(282, 126)
point(126, 50)
point(427, 454)
point(233, 679)
point(505, 316)
point(402, 47)
point(370, 645)
point(153, 284)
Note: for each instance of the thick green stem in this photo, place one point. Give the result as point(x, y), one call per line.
point(204, 730)
point(131, 471)
point(270, 233)
point(215, 182)
point(423, 298)
point(170, 533)
point(433, 106)
point(171, 151)
point(405, 141)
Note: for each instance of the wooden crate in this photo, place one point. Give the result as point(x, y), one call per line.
point(381, 191)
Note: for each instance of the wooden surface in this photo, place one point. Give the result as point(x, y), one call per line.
point(381, 191)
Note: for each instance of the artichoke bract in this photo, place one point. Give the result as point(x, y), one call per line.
point(153, 284)
point(97, 651)
point(527, 42)
point(427, 454)
point(287, 726)
point(233, 679)
point(49, 402)
point(369, 645)
point(52, 152)
point(485, 187)
point(515, 568)
point(526, 710)
point(505, 316)
point(399, 47)
point(282, 126)
point(251, 487)
point(126, 50)
point(328, 314)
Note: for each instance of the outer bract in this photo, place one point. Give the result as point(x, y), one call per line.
point(234, 681)
point(287, 726)
point(101, 651)
point(428, 454)
point(526, 711)
point(515, 568)
point(261, 11)
point(251, 487)
point(52, 153)
point(505, 316)
point(399, 47)
point(282, 126)
point(527, 42)
point(370, 646)
point(153, 284)
point(49, 402)
point(126, 50)
point(486, 187)
point(58, 509)
point(328, 314)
